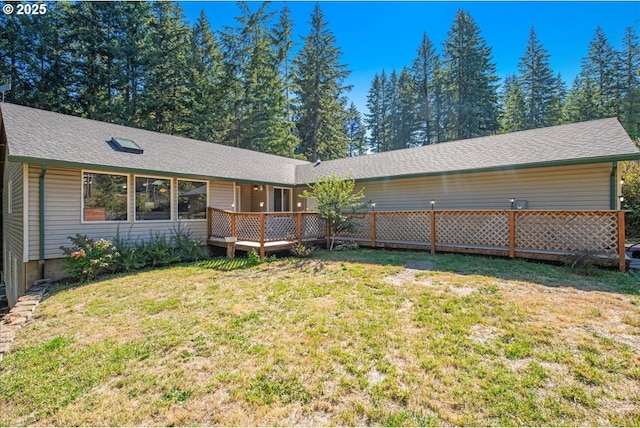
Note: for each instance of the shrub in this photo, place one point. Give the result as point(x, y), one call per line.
point(303, 251)
point(346, 246)
point(583, 260)
point(253, 258)
point(88, 258)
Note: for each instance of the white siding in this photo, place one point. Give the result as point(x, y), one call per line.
point(13, 231)
point(553, 188)
point(63, 194)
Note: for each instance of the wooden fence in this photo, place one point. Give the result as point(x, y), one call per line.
point(547, 235)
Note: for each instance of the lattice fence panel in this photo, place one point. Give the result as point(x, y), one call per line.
point(313, 227)
point(248, 227)
point(220, 223)
point(403, 226)
point(280, 227)
point(487, 228)
point(567, 231)
point(362, 229)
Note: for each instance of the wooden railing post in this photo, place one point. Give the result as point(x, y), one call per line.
point(209, 222)
point(261, 234)
point(373, 229)
point(299, 226)
point(622, 264)
point(328, 233)
point(233, 224)
point(433, 232)
point(512, 234)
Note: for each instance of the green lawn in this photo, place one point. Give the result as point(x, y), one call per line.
point(351, 338)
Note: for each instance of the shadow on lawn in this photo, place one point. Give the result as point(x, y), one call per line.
point(546, 274)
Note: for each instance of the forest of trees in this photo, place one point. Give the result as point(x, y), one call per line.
point(256, 85)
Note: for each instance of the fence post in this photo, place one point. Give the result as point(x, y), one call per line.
point(299, 226)
point(327, 233)
point(433, 232)
point(512, 234)
point(210, 220)
point(373, 229)
point(261, 234)
point(622, 263)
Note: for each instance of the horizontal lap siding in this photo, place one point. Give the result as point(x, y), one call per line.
point(63, 194)
point(555, 188)
point(13, 231)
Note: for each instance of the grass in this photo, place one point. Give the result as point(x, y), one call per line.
point(351, 338)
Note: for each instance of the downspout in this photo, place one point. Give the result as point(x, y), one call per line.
point(43, 171)
point(613, 185)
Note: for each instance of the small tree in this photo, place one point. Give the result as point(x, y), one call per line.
point(334, 195)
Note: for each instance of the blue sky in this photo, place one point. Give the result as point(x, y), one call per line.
point(377, 35)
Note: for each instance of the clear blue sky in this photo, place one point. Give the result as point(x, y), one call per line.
point(377, 35)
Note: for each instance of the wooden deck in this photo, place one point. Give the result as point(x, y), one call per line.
point(541, 235)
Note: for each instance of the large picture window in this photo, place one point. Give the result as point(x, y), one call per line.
point(192, 199)
point(281, 199)
point(153, 198)
point(104, 197)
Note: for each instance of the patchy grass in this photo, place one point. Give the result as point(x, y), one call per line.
point(352, 338)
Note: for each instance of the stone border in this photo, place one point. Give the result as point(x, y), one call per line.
point(22, 312)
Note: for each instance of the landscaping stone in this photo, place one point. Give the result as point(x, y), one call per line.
point(20, 314)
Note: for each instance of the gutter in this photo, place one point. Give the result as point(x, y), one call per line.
point(613, 187)
point(41, 263)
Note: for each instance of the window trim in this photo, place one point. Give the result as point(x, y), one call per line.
point(90, 171)
point(172, 207)
point(282, 199)
point(206, 208)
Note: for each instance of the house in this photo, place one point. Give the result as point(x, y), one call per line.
point(63, 175)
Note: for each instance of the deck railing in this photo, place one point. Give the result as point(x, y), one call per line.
point(534, 234)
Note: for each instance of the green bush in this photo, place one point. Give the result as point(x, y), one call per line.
point(88, 258)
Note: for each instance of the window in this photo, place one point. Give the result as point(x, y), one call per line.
point(153, 198)
point(192, 199)
point(281, 199)
point(104, 197)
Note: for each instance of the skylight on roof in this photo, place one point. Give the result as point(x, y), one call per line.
point(124, 145)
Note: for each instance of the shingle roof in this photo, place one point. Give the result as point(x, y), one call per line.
point(597, 140)
point(42, 136)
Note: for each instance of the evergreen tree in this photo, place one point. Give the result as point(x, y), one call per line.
point(581, 102)
point(514, 106)
point(205, 120)
point(356, 132)
point(630, 83)
point(404, 113)
point(319, 91)
point(600, 70)
point(423, 71)
point(537, 83)
point(378, 119)
point(557, 104)
point(165, 92)
point(470, 81)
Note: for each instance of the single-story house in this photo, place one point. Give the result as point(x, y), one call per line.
point(63, 175)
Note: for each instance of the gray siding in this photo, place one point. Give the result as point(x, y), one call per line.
point(63, 194)
point(13, 231)
point(555, 188)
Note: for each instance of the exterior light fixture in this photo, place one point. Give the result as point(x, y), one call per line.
point(622, 181)
point(255, 187)
point(262, 206)
point(621, 198)
point(373, 206)
point(512, 200)
point(299, 205)
point(433, 202)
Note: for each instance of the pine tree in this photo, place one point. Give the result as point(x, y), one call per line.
point(205, 120)
point(514, 106)
point(404, 113)
point(537, 83)
point(165, 91)
point(600, 69)
point(470, 81)
point(356, 132)
point(630, 83)
point(319, 91)
point(423, 72)
point(378, 119)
